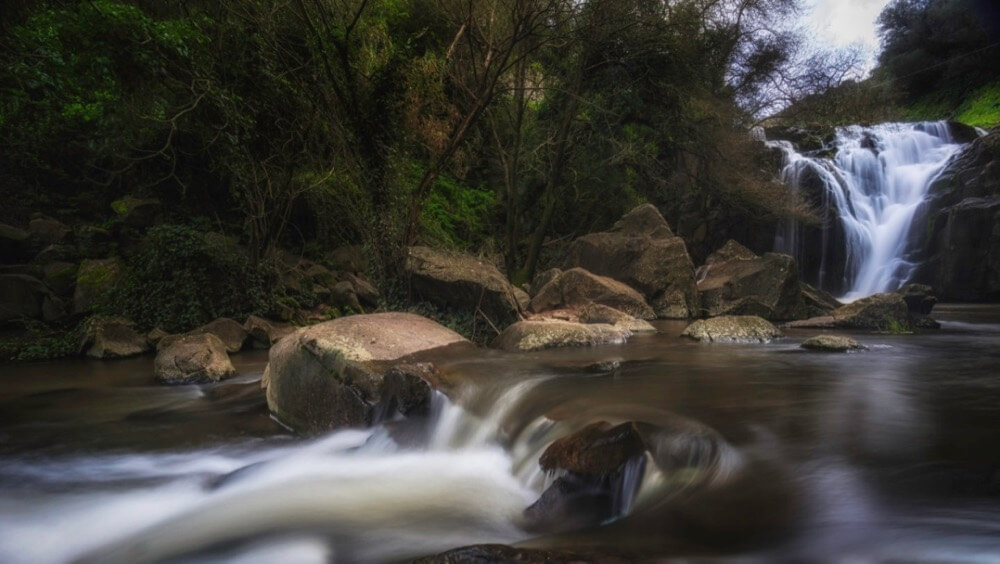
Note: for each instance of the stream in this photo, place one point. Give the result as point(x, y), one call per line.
point(766, 452)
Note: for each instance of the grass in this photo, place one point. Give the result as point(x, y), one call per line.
point(981, 108)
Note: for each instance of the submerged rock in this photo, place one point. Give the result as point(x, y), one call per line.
point(333, 374)
point(599, 448)
point(732, 329)
point(462, 282)
point(578, 287)
point(535, 335)
point(832, 343)
point(193, 359)
point(111, 337)
point(642, 252)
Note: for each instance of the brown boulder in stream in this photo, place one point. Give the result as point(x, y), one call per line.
point(732, 329)
point(598, 448)
point(642, 252)
point(536, 335)
point(334, 374)
point(193, 359)
point(578, 287)
point(112, 337)
point(734, 281)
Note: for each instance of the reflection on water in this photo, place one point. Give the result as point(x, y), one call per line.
point(761, 452)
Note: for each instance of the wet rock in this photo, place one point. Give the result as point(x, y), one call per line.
point(155, 336)
point(48, 231)
point(571, 502)
point(578, 287)
point(597, 449)
point(919, 298)
point(137, 212)
point(26, 297)
point(732, 329)
point(598, 313)
point(535, 335)
point(767, 286)
point(880, 311)
point(642, 252)
point(61, 277)
point(229, 331)
point(818, 302)
point(831, 343)
point(263, 333)
point(193, 359)
point(332, 374)
point(406, 389)
point(495, 553)
point(94, 280)
point(111, 337)
point(462, 282)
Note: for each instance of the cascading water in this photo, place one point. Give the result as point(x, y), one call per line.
point(868, 194)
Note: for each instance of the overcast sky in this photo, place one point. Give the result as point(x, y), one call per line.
point(841, 23)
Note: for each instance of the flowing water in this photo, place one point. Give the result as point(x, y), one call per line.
point(869, 191)
point(757, 453)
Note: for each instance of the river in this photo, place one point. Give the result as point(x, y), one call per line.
point(885, 454)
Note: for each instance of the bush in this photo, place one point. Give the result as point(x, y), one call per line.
point(180, 279)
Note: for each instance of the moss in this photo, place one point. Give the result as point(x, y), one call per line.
point(120, 207)
point(982, 108)
point(98, 274)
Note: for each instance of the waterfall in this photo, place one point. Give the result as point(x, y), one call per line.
point(867, 192)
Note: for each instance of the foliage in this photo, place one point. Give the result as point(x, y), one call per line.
point(457, 216)
point(38, 342)
point(179, 279)
point(981, 108)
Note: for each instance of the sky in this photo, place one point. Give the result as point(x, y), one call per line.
point(841, 23)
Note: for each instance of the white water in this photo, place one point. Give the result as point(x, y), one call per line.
point(874, 184)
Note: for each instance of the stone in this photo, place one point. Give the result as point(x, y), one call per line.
point(26, 297)
point(48, 231)
point(880, 311)
point(367, 293)
point(598, 313)
point(461, 282)
point(642, 252)
point(61, 277)
point(598, 449)
point(578, 287)
point(155, 336)
point(731, 250)
point(14, 244)
point(919, 298)
point(543, 278)
point(193, 359)
point(349, 258)
point(94, 280)
point(94, 242)
point(263, 334)
point(732, 329)
point(832, 343)
point(111, 337)
point(490, 553)
point(535, 335)
point(818, 302)
point(229, 331)
point(332, 374)
point(56, 253)
point(767, 286)
point(137, 212)
point(342, 296)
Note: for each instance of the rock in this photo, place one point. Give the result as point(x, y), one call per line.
point(578, 287)
point(94, 280)
point(543, 278)
point(642, 252)
point(806, 139)
point(766, 286)
point(406, 389)
point(349, 258)
point(461, 282)
point(732, 329)
point(342, 296)
point(490, 553)
point(570, 503)
point(14, 244)
point(597, 313)
point(332, 374)
point(155, 336)
point(48, 231)
point(535, 335)
point(597, 449)
point(193, 359)
point(367, 293)
point(818, 302)
point(61, 277)
point(26, 297)
point(111, 337)
point(961, 133)
point(956, 231)
point(230, 332)
point(137, 212)
point(94, 242)
point(56, 253)
point(319, 274)
point(263, 333)
point(919, 298)
point(731, 250)
point(832, 343)
point(880, 311)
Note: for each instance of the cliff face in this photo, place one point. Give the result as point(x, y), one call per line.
point(957, 230)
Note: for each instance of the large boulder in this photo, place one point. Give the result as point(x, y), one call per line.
point(880, 311)
point(534, 335)
point(26, 297)
point(642, 252)
point(94, 279)
point(732, 329)
point(578, 287)
point(461, 282)
point(60, 276)
point(48, 231)
point(735, 281)
point(111, 337)
point(193, 359)
point(956, 231)
point(598, 448)
point(332, 374)
point(230, 332)
point(920, 298)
